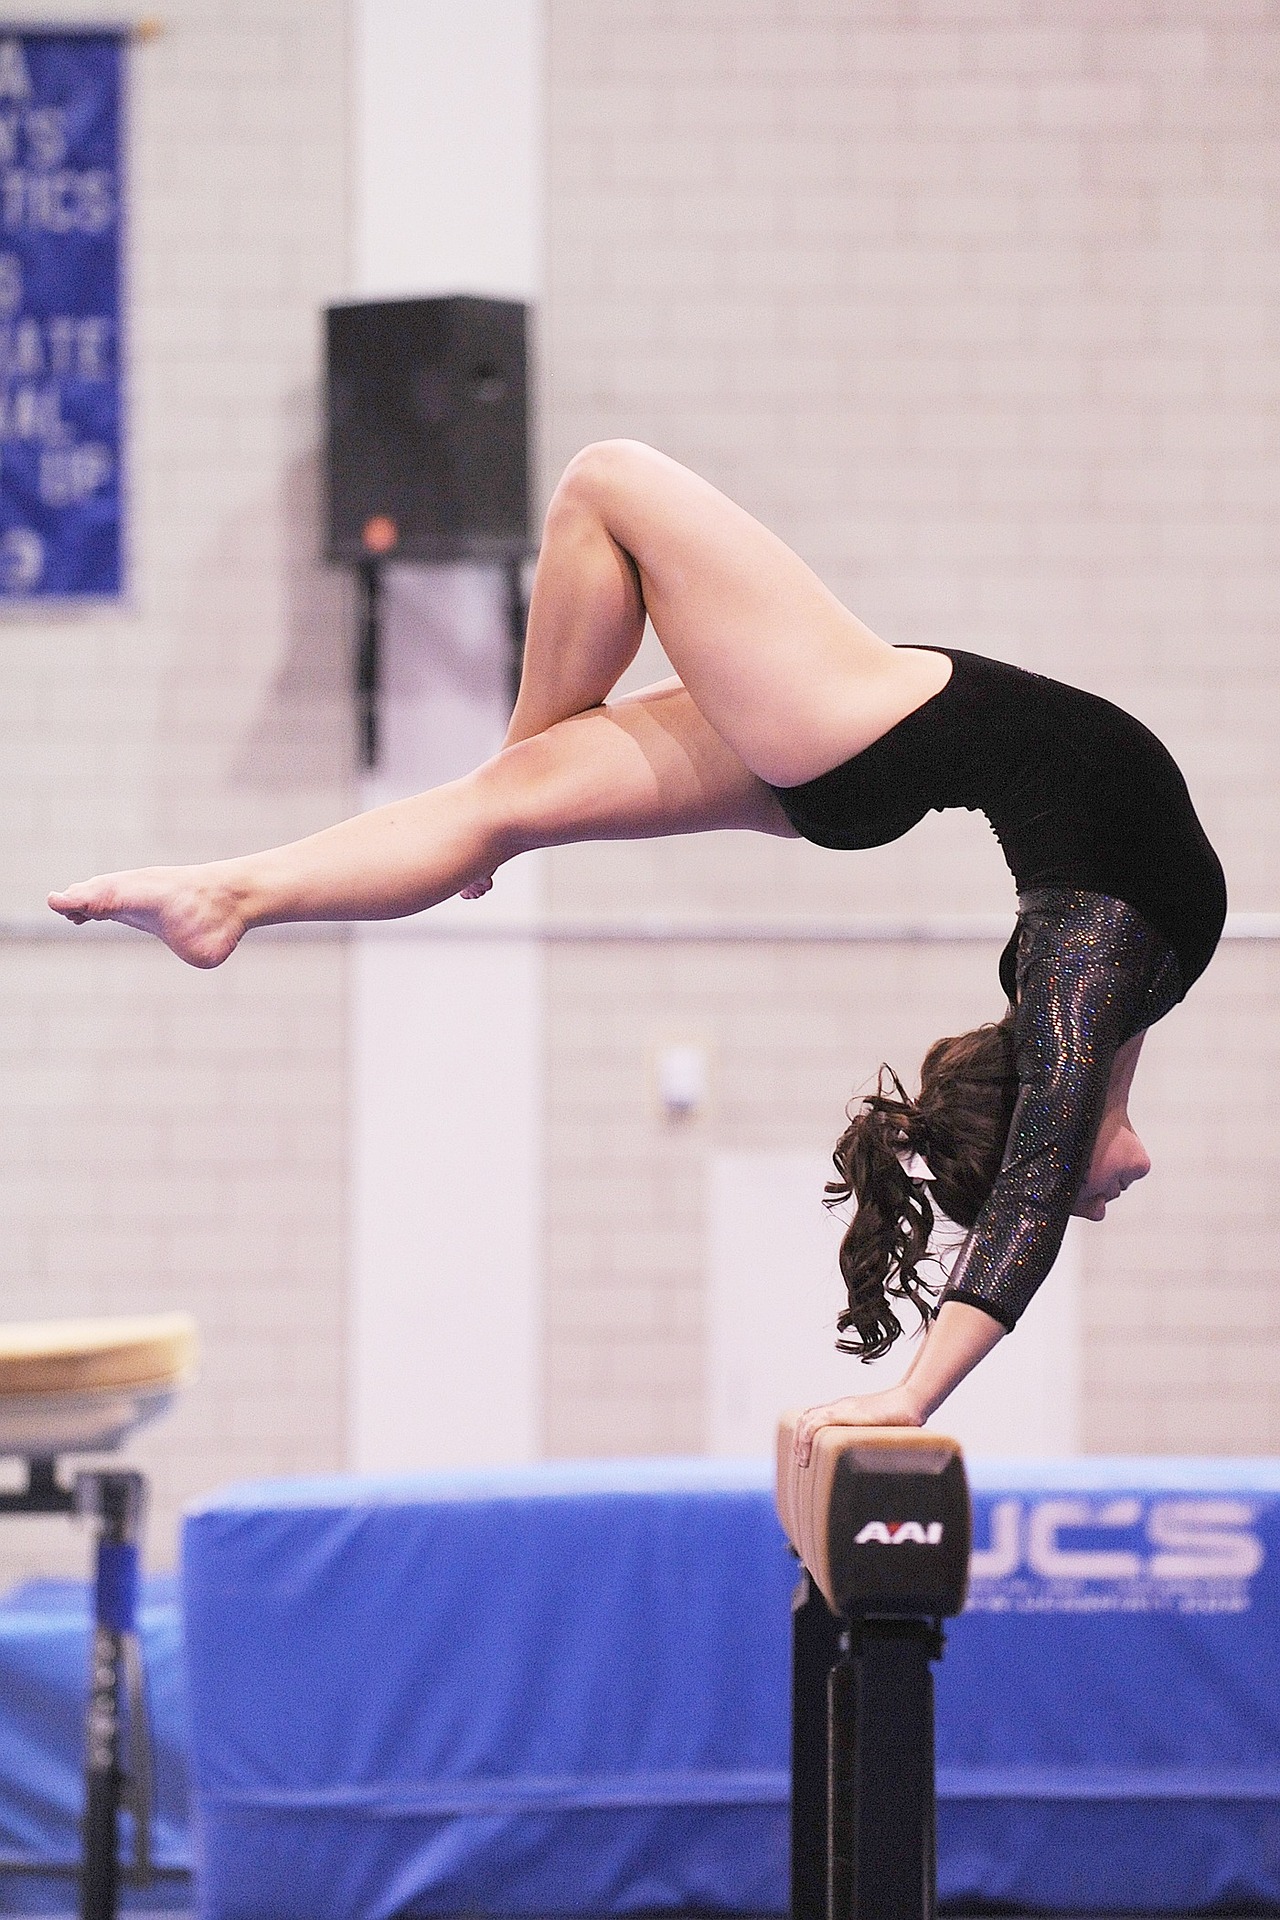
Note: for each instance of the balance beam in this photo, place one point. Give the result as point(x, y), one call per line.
point(880, 1521)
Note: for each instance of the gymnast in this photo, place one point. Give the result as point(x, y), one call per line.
point(790, 717)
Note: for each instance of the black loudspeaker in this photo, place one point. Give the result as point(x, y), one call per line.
point(427, 430)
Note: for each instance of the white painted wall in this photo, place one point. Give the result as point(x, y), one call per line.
point(447, 1033)
point(775, 1290)
point(449, 147)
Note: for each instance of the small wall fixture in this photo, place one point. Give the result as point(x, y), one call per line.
point(683, 1080)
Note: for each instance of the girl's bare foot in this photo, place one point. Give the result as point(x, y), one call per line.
point(196, 911)
point(476, 889)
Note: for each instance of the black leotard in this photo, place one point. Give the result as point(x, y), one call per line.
point(1121, 903)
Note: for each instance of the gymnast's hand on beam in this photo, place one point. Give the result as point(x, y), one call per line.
point(895, 1407)
point(194, 910)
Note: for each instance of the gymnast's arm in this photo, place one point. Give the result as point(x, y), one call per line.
point(1075, 1008)
point(1077, 1003)
point(954, 1343)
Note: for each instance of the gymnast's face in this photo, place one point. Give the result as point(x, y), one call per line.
point(1119, 1157)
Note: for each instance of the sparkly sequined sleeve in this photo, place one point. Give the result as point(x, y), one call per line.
point(1090, 973)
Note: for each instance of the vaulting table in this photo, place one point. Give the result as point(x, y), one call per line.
point(75, 1387)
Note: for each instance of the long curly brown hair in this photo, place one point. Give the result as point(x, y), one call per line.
point(959, 1123)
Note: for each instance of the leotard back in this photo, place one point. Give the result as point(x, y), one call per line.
point(1121, 904)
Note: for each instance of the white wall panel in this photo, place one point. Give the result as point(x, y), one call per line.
point(448, 173)
point(447, 1084)
point(775, 1290)
point(447, 1080)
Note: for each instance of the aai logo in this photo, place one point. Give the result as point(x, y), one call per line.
point(900, 1533)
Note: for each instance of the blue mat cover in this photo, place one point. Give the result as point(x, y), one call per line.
point(44, 1664)
point(565, 1690)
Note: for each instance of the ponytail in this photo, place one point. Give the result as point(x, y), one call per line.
point(959, 1125)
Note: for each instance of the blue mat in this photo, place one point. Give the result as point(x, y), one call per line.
point(44, 1662)
point(565, 1690)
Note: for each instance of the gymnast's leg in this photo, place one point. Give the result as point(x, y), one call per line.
point(780, 682)
point(784, 673)
point(647, 766)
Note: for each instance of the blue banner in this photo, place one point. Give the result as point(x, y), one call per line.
point(60, 222)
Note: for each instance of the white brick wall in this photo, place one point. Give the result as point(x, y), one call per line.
point(973, 301)
point(175, 1138)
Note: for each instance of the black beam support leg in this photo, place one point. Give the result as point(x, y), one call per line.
point(817, 1637)
point(863, 1795)
point(882, 1750)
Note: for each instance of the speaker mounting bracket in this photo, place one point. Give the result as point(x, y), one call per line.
point(369, 659)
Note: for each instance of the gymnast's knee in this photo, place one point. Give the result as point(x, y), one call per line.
point(510, 800)
point(598, 475)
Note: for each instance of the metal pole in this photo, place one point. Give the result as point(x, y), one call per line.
point(117, 1499)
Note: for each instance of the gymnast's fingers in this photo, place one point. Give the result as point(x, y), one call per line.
point(807, 1427)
